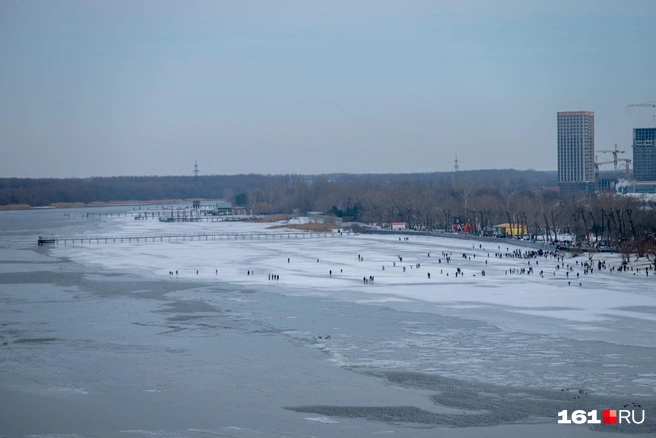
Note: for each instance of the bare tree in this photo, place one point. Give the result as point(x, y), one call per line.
point(465, 190)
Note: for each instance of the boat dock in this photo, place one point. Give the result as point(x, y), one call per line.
point(190, 237)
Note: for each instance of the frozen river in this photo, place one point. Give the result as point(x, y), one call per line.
point(100, 339)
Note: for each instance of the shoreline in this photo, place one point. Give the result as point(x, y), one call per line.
point(516, 242)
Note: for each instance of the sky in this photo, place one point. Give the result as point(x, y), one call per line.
point(104, 88)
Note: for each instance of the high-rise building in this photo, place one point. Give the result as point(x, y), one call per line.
point(644, 154)
point(576, 151)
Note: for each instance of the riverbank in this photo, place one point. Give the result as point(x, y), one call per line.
point(517, 242)
point(320, 228)
point(15, 207)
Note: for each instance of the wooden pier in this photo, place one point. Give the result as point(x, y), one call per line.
point(165, 216)
point(193, 237)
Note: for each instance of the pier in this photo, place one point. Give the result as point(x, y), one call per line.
point(166, 216)
point(191, 237)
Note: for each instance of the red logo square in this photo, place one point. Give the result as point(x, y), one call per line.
point(610, 416)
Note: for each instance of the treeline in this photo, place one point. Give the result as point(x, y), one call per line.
point(47, 191)
point(428, 201)
point(604, 218)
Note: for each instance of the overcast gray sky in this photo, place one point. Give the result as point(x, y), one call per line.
point(90, 88)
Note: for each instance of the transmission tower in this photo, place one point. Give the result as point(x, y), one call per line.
point(196, 168)
point(455, 167)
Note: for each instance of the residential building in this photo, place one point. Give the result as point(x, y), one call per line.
point(576, 151)
point(644, 154)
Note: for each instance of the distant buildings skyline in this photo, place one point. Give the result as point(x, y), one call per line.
point(576, 151)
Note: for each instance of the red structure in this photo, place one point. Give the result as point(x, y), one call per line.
point(464, 228)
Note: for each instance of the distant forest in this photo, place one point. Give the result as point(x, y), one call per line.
point(48, 191)
point(479, 200)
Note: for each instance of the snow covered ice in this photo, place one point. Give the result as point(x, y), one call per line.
point(537, 323)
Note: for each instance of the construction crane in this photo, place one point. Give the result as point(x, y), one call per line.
point(644, 105)
point(628, 172)
point(596, 166)
point(614, 152)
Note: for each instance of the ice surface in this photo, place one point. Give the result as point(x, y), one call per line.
point(599, 296)
point(324, 420)
point(535, 326)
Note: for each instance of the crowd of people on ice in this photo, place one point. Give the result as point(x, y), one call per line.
point(586, 267)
